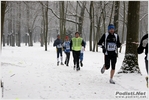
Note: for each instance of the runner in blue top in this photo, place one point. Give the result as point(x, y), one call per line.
point(82, 54)
point(66, 46)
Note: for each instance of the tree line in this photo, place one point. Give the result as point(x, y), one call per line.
point(32, 21)
point(40, 21)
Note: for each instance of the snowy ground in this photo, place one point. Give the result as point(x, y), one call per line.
point(31, 73)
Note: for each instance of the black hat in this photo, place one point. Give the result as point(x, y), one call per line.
point(77, 33)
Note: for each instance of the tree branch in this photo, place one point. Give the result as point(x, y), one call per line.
point(69, 20)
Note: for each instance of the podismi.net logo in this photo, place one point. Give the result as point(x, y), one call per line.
point(131, 94)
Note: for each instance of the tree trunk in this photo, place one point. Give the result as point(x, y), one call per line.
point(116, 15)
point(81, 18)
point(43, 24)
point(61, 10)
point(27, 21)
point(12, 40)
point(26, 39)
point(41, 39)
point(29, 29)
point(11, 27)
point(122, 38)
point(3, 40)
point(46, 24)
point(91, 24)
point(111, 13)
point(15, 22)
point(42, 28)
point(77, 17)
point(98, 33)
point(94, 34)
point(19, 25)
point(104, 16)
point(8, 39)
point(3, 8)
point(30, 38)
point(10, 24)
point(130, 63)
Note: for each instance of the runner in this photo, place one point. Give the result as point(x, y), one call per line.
point(144, 45)
point(75, 44)
point(109, 43)
point(66, 46)
point(58, 43)
point(82, 55)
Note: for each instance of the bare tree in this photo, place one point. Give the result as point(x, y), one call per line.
point(3, 8)
point(43, 27)
point(98, 31)
point(94, 34)
point(124, 19)
point(62, 19)
point(81, 17)
point(18, 36)
point(46, 24)
point(130, 63)
point(116, 15)
point(32, 15)
point(29, 33)
point(91, 24)
point(10, 26)
point(111, 12)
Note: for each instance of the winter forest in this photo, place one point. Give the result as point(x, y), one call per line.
point(29, 22)
point(30, 28)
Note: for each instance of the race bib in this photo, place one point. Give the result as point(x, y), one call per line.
point(67, 47)
point(111, 47)
point(59, 46)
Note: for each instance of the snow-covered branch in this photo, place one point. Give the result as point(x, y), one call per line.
point(69, 20)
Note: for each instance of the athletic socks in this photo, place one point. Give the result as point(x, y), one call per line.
point(111, 81)
point(59, 61)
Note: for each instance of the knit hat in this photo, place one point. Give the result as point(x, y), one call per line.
point(111, 26)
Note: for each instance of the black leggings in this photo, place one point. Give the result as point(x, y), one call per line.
point(113, 59)
point(76, 57)
point(67, 57)
point(59, 51)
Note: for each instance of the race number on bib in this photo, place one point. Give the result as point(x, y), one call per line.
point(67, 47)
point(111, 47)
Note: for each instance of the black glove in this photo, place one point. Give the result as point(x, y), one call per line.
point(140, 50)
point(103, 49)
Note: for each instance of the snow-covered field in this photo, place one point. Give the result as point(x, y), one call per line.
point(32, 73)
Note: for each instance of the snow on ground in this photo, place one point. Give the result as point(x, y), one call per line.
point(31, 73)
